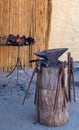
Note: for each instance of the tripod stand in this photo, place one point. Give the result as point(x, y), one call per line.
point(17, 66)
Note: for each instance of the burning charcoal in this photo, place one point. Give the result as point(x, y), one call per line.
point(17, 40)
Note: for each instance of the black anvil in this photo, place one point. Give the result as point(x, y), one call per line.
point(49, 57)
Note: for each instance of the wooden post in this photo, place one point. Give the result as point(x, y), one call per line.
point(46, 88)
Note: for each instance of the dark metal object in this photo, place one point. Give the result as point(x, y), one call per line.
point(17, 40)
point(61, 83)
point(17, 66)
point(48, 58)
point(34, 71)
point(70, 77)
point(12, 40)
point(51, 55)
point(43, 62)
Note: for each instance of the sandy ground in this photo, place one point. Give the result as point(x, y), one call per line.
point(14, 116)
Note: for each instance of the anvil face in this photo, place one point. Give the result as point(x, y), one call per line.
point(51, 55)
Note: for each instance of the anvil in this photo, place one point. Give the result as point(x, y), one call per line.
point(51, 55)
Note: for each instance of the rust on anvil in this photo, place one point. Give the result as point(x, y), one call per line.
point(51, 55)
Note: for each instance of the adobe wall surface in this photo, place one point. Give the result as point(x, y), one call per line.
point(65, 26)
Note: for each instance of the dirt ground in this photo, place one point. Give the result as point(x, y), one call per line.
point(14, 116)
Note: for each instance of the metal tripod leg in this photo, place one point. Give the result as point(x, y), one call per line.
point(12, 70)
point(17, 66)
point(20, 65)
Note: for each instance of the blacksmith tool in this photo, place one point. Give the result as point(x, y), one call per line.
point(36, 69)
point(48, 58)
point(70, 77)
point(19, 41)
point(61, 85)
point(51, 55)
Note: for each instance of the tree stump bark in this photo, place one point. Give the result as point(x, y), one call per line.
point(45, 95)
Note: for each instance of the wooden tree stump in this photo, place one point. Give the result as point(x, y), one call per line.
point(46, 88)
